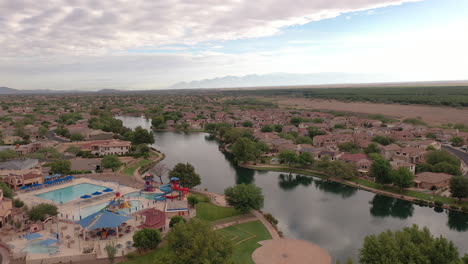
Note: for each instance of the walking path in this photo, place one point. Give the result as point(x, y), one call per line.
point(237, 222)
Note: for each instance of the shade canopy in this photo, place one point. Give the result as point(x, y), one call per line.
point(96, 193)
point(47, 177)
point(85, 196)
point(174, 179)
point(48, 182)
point(103, 219)
point(108, 190)
point(48, 242)
point(32, 236)
point(36, 185)
point(57, 175)
point(69, 177)
point(25, 187)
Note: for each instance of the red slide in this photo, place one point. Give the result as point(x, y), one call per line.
point(176, 187)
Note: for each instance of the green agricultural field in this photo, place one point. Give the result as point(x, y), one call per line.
point(245, 238)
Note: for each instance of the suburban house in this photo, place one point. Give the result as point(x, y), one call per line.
point(15, 181)
point(410, 154)
point(429, 180)
point(332, 140)
point(396, 164)
point(113, 147)
point(361, 161)
point(6, 206)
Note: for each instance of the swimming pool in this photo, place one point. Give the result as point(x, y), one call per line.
point(71, 192)
point(149, 196)
point(36, 247)
point(85, 211)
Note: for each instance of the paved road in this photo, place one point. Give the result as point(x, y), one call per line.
point(50, 135)
point(460, 154)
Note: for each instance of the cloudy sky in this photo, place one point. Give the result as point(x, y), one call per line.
point(137, 44)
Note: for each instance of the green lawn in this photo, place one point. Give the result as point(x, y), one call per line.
point(211, 212)
point(131, 169)
point(245, 237)
point(149, 257)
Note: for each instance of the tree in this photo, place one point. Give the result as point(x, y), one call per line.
point(187, 175)
point(247, 123)
point(267, 128)
point(196, 242)
point(7, 192)
point(233, 134)
point(305, 158)
point(423, 167)
point(457, 141)
point(111, 251)
point(459, 187)
point(348, 147)
point(61, 166)
point(410, 245)
point(175, 220)
point(158, 122)
point(380, 170)
point(77, 137)
point(146, 239)
point(315, 131)
point(341, 169)
point(402, 178)
point(244, 197)
point(288, 156)
point(159, 170)
point(447, 168)
point(438, 156)
point(142, 136)
point(278, 128)
point(8, 154)
point(192, 200)
point(244, 149)
point(372, 148)
point(296, 121)
point(383, 140)
point(73, 149)
point(111, 162)
point(42, 211)
point(43, 131)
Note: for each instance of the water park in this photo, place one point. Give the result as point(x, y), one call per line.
point(91, 215)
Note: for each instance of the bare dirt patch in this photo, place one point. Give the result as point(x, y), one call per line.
point(430, 114)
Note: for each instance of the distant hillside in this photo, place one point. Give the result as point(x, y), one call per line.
point(282, 79)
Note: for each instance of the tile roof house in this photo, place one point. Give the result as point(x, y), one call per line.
point(154, 219)
point(427, 180)
point(396, 164)
point(6, 206)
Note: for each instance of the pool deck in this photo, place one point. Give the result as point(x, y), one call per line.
point(71, 245)
point(71, 209)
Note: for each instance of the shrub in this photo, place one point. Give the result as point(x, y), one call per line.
point(270, 218)
point(131, 255)
point(146, 239)
point(438, 203)
point(18, 203)
point(454, 207)
point(464, 208)
point(175, 220)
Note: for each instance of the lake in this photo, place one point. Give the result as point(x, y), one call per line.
point(334, 216)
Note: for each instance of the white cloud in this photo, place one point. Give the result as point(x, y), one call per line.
point(88, 27)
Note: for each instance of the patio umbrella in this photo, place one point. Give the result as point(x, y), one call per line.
point(25, 187)
point(57, 175)
point(36, 185)
point(96, 193)
point(32, 236)
point(85, 196)
point(48, 242)
point(174, 179)
point(47, 177)
point(108, 190)
point(48, 182)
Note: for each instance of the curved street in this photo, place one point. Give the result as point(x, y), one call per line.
point(460, 154)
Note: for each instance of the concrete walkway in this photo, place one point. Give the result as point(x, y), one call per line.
point(274, 234)
point(287, 251)
point(237, 222)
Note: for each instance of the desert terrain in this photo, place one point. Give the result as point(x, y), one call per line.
point(431, 114)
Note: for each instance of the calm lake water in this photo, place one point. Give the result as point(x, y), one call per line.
point(334, 216)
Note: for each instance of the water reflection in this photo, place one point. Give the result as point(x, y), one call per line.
point(289, 182)
point(384, 206)
point(342, 190)
point(457, 221)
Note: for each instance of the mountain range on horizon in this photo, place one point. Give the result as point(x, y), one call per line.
point(272, 80)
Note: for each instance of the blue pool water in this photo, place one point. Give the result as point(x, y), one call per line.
point(71, 192)
point(35, 247)
point(149, 196)
point(85, 211)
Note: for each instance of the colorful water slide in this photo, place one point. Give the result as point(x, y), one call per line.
point(165, 189)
